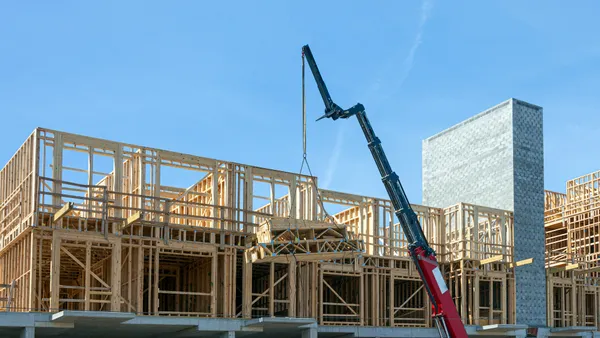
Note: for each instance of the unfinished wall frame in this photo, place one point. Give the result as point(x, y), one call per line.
point(96, 225)
point(572, 224)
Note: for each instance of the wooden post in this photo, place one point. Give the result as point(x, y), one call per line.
point(463, 290)
point(248, 197)
point(55, 272)
point(233, 284)
point(293, 196)
point(139, 277)
point(32, 273)
point(313, 199)
point(155, 289)
point(247, 289)
point(391, 300)
point(503, 287)
point(115, 280)
point(150, 285)
point(118, 180)
point(272, 290)
point(87, 277)
point(321, 286)
point(512, 301)
point(374, 295)
point(129, 275)
point(315, 287)
point(215, 203)
point(362, 296)
point(491, 298)
point(35, 184)
point(292, 288)
point(213, 284)
point(476, 299)
point(227, 301)
point(57, 161)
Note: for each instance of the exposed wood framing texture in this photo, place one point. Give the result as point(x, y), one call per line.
point(91, 224)
point(572, 223)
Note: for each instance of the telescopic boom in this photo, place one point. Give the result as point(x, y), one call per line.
point(444, 311)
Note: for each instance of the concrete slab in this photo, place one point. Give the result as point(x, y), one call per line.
point(76, 324)
point(358, 331)
point(22, 319)
point(502, 327)
point(572, 329)
point(281, 322)
point(92, 316)
point(497, 330)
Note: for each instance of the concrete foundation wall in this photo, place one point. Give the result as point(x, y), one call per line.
point(496, 159)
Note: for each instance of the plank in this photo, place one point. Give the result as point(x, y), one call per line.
point(62, 212)
point(132, 219)
point(584, 271)
point(521, 262)
point(491, 259)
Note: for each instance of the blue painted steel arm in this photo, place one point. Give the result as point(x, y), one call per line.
point(444, 311)
point(407, 217)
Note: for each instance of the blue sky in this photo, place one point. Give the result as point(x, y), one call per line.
point(221, 79)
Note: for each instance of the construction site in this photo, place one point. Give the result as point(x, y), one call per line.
point(92, 238)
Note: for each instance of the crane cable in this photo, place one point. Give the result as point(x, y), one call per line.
point(305, 160)
point(303, 111)
point(304, 154)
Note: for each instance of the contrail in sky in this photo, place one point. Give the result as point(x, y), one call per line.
point(426, 8)
point(335, 156)
point(410, 58)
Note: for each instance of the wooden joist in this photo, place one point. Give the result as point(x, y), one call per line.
point(589, 270)
point(62, 212)
point(491, 259)
point(563, 267)
point(132, 219)
point(521, 262)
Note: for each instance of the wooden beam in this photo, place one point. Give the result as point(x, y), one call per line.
point(491, 259)
point(521, 262)
point(571, 266)
point(132, 219)
point(566, 267)
point(584, 271)
point(67, 208)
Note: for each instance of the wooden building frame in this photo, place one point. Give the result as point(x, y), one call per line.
point(95, 225)
point(572, 223)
